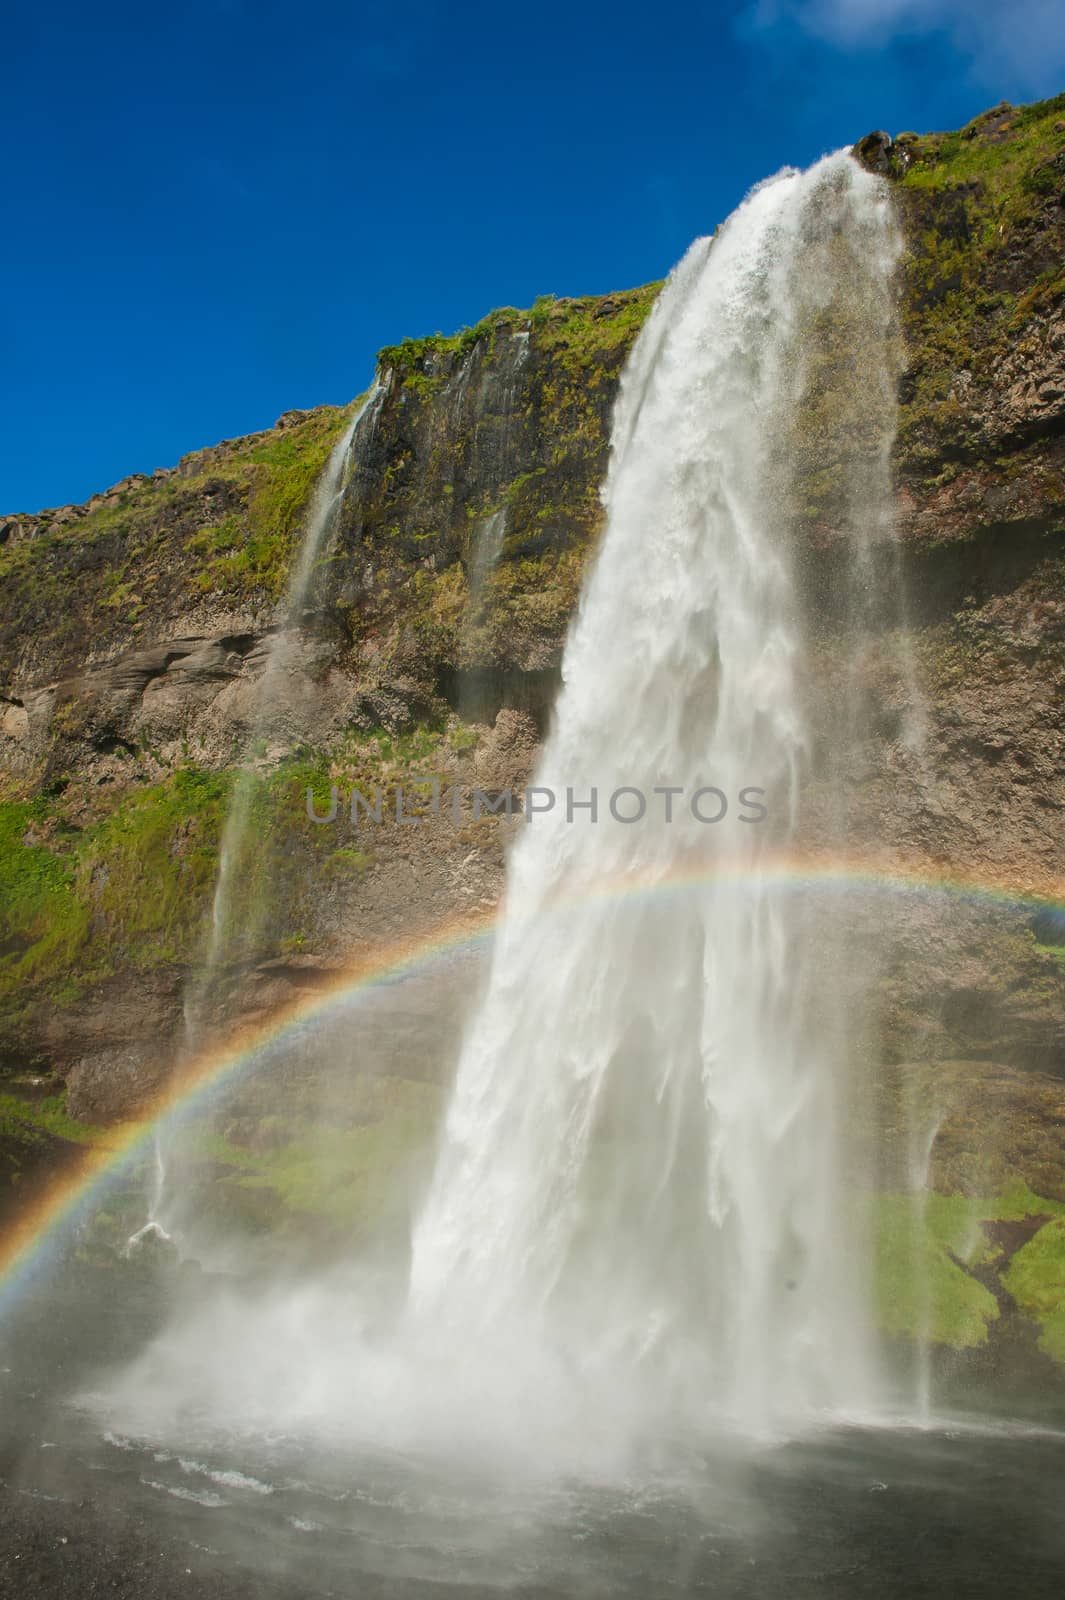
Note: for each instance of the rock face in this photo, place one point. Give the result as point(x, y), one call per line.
point(136, 631)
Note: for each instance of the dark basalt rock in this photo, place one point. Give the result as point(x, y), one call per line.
point(876, 153)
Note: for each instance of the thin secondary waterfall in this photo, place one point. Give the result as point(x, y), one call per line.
point(324, 502)
point(641, 1178)
point(164, 1201)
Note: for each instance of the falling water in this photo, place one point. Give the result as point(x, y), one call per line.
point(643, 1221)
point(326, 498)
point(640, 1177)
point(490, 530)
point(920, 1174)
point(318, 526)
point(486, 548)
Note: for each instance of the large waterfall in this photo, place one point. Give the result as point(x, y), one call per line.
point(645, 1220)
point(640, 1178)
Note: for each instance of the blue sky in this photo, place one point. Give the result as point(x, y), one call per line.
point(217, 211)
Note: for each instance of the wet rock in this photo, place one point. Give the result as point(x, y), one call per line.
point(506, 756)
point(876, 152)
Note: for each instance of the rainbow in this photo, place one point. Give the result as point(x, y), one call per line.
point(39, 1230)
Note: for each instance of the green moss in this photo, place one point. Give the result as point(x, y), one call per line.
point(49, 1116)
point(42, 920)
point(348, 861)
point(1036, 1280)
point(418, 362)
point(34, 1131)
point(580, 334)
point(579, 331)
point(133, 888)
point(926, 1247)
point(524, 605)
point(147, 872)
point(348, 1173)
point(254, 548)
point(970, 202)
point(920, 1289)
point(226, 523)
point(1006, 156)
point(344, 1174)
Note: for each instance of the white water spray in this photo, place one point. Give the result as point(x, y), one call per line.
point(640, 1176)
point(640, 1220)
point(487, 547)
point(921, 1149)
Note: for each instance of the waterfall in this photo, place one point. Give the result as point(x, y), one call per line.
point(641, 1182)
point(325, 500)
point(646, 1225)
point(164, 1207)
point(921, 1149)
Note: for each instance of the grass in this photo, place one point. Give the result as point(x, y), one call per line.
point(225, 525)
point(919, 1287)
point(924, 1246)
point(46, 1116)
point(577, 330)
point(581, 335)
point(970, 200)
point(1036, 1280)
point(1010, 163)
point(346, 1171)
point(131, 888)
point(43, 923)
point(147, 872)
point(29, 1132)
point(253, 550)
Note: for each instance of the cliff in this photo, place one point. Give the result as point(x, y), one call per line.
point(136, 630)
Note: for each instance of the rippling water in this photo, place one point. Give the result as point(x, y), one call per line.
point(965, 1507)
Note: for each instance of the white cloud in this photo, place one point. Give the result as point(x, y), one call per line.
point(1019, 46)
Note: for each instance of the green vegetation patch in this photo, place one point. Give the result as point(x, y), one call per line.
point(926, 1247)
point(350, 1169)
point(1008, 150)
point(974, 206)
point(225, 522)
point(34, 1133)
point(146, 873)
point(133, 888)
point(1036, 1280)
point(581, 332)
point(252, 550)
point(43, 922)
point(578, 330)
point(921, 1289)
point(21, 1117)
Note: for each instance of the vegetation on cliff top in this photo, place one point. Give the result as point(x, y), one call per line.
point(222, 524)
point(982, 210)
point(578, 328)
